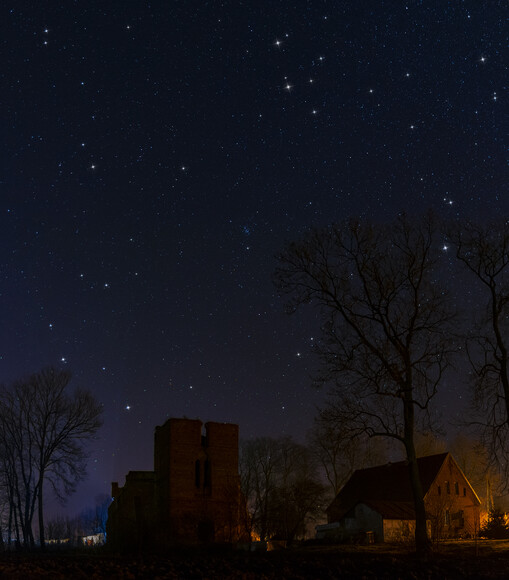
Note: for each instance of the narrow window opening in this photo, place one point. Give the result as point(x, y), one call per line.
point(456, 488)
point(206, 474)
point(197, 473)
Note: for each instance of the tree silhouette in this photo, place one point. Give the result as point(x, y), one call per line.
point(338, 454)
point(484, 251)
point(45, 430)
point(280, 483)
point(385, 322)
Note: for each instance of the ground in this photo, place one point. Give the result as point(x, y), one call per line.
point(455, 560)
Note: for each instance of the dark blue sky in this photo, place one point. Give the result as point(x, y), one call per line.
point(157, 155)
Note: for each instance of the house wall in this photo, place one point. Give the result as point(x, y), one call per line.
point(360, 520)
point(451, 504)
point(398, 530)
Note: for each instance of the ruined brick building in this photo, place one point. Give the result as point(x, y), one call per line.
point(192, 496)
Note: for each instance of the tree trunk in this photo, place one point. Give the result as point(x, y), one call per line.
point(9, 525)
point(41, 516)
point(422, 541)
point(496, 309)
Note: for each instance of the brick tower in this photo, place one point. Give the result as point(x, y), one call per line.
point(191, 497)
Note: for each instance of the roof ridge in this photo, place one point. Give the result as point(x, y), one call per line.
point(402, 462)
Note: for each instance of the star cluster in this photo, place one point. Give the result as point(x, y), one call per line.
point(157, 156)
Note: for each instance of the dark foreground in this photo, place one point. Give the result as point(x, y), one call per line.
point(453, 561)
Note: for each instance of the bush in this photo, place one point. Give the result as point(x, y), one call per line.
point(495, 527)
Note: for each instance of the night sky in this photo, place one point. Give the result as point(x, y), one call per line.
point(156, 156)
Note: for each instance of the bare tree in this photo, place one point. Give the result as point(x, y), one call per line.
point(45, 431)
point(484, 251)
point(385, 327)
point(280, 483)
point(339, 454)
point(257, 467)
point(18, 458)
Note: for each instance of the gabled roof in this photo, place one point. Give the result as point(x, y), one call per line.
point(386, 486)
point(393, 510)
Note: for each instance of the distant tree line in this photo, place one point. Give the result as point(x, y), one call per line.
point(288, 485)
point(388, 297)
point(44, 432)
point(69, 529)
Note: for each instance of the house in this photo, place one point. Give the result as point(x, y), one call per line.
point(377, 503)
point(191, 497)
